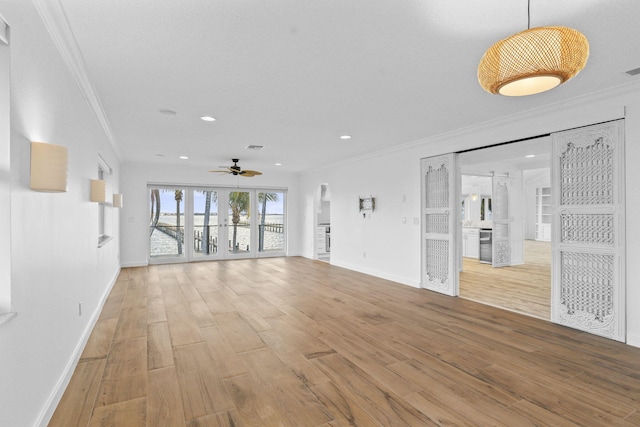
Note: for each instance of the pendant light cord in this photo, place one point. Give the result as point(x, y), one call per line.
point(528, 14)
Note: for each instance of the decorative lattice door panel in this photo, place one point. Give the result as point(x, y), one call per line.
point(440, 207)
point(588, 229)
point(501, 248)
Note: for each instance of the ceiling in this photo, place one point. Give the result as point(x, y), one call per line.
point(295, 75)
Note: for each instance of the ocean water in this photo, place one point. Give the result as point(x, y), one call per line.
point(162, 244)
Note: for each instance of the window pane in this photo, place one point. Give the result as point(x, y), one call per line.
point(271, 221)
point(239, 225)
point(166, 226)
point(205, 222)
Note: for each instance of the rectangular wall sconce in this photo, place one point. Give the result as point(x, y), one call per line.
point(117, 200)
point(98, 190)
point(48, 167)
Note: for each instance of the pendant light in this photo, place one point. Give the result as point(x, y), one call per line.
point(533, 61)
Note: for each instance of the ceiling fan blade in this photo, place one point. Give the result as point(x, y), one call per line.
point(220, 171)
point(249, 173)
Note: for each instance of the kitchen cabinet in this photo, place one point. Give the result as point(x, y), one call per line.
point(321, 240)
point(470, 242)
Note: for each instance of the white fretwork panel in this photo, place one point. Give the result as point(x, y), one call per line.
point(437, 185)
point(587, 229)
point(588, 239)
point(437, 223)
point(501, 248)
point(587, 172)
point(437, 263)
point(587, 291)
point(500, 203)
point(439, 219)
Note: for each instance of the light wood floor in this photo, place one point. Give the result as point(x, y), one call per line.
point(522, 288)
point(296, 342)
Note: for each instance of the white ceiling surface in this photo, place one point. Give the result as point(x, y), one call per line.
point(295, 75)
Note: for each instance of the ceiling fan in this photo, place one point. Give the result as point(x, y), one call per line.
point(236, 170)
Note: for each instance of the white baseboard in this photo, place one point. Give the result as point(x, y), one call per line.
point(54, 399)
point(392, 277)
point(633, 340)
point(144, 263)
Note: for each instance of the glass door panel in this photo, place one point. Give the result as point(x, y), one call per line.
point(166, 225)
point(270, 221)
point(205, 223)
point(239, 235)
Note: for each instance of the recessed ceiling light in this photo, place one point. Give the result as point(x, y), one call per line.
point(345, 137)
point(254, 147)
point(184, 157)
point(278, 164)
point(208, 118)
point(528, 156)
point(167, 112)
point(159, 155)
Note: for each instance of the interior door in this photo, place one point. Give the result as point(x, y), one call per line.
point(501, 247)
point(440, 219)
point(588, 281)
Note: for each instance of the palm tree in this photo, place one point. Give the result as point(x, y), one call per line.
point(264, 198)
point(178, 197)
point(155, 209)
point(209, 195)
point(239, 203)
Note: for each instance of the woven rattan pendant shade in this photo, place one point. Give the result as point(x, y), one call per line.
point(533, 61)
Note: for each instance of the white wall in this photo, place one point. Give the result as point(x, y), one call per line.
point(135, 214)
point(393, 248)
point(54, 255)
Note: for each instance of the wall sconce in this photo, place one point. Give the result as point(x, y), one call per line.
point(367, 205)
point(117, 200)
point(474, 196)
point(48, 167)
point(98, 190)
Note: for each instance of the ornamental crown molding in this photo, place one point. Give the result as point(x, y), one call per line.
point(55, 20)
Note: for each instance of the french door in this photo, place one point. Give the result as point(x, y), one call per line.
point(199, 223)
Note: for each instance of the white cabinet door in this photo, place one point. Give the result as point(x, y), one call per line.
point(470, 243)
point(473, 244)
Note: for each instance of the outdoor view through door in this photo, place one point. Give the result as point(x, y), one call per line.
point(188, 224)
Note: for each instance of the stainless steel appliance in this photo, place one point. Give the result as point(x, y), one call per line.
point(486, 245)
point(328, 239)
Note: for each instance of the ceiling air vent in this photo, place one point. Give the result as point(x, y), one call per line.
point(255, 147)
point(634, 72)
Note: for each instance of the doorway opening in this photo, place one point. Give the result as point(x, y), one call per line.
point(524, 285)
point(323, 224)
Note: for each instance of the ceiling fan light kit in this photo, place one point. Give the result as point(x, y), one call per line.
point(533, 61)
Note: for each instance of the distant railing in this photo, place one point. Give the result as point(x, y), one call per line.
point(198, 241)
point(274, 227)
point(198, 235)
point(170, 230)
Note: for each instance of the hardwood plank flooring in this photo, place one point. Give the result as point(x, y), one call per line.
point(522, 288)
point(296, 342)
